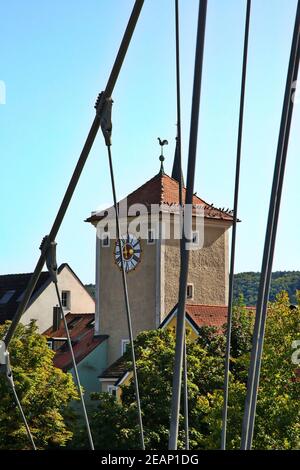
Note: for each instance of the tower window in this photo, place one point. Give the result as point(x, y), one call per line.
point(195, 237)
point(105, 240)
point(190, 291)
point(151, 236)
point(66, 299)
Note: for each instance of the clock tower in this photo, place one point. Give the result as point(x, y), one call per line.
point(149, 219)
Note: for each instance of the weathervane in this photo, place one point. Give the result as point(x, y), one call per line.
point(162, 158)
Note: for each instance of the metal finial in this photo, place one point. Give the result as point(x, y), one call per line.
point(162, 158)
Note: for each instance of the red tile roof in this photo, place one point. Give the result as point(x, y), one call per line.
point(208, 315)
point(162, 189)
point(203, 315)
point(82, 336)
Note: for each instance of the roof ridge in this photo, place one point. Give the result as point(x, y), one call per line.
point(162, 189)
point(206, 305)
point(143, 185)
point(21, 274)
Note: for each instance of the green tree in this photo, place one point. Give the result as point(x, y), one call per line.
point(44, 391)
point(278, 415)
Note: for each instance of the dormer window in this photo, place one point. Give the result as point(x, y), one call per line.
point(112, 390)
point(7, 296)
point(74, 322)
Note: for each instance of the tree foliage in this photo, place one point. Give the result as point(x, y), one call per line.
point(278, 414)
point(44, 392)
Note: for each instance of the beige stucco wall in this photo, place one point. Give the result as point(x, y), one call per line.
point(42, 308)
point(208, 269)
point(153, 285)
point(111, 306)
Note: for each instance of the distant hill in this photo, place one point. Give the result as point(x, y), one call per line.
point(247, 285)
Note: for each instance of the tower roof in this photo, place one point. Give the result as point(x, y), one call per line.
point(164, 190)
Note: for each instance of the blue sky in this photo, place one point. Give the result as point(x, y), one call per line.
point(55, 58)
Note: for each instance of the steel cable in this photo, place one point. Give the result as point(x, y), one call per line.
point(186, 237)
point(69, 341)
point(178, 150)
point(10, 379)
point(234, 228)
point(126, 298)
point(270, 240)
point(79, 166)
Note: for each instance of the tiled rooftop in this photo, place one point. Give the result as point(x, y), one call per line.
point(82, 335)
point(162, 189)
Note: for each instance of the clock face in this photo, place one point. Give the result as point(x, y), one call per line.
point(131, 248)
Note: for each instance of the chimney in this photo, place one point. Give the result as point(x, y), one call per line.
point(56, 318)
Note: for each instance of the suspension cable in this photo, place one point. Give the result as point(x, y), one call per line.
point(80, 164)
point(5, 367)
point(128, 312)
point(186, 237)
point(52, 268)
point(69, 341)
point(106, 126)
point(269, 270)
point(178, 152)
point(270, 239)
point(68, 196)
point(234, 228)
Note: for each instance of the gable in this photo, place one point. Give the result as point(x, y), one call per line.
point(197, 316)
point(17, 283)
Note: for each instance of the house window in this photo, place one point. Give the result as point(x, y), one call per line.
point(151, 236)
point(7, 296)
point(124, 345)
point(50, 344)
point(105, 240)
point(190, 291)
point(66, 299)
point(111, 389)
